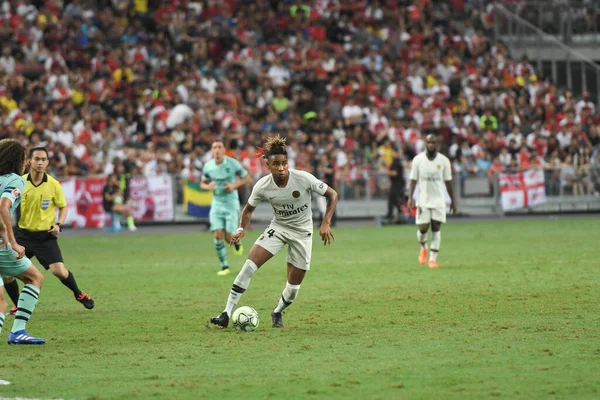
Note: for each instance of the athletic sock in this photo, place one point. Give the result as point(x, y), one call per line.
point(27, 301)
point(2, 317)
point(12, 289)
point(422, 238)
point(287, 297)
point(221, 252)
point(130, 222)
point(240, 284)
point(436, 239)
point(71, 284)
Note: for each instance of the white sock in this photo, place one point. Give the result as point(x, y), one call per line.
point(287, 297)
point(436, 239)
point(240, 284)
point(422, 238)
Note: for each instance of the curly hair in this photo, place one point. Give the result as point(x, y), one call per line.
point(274, 145)
point(12, 157)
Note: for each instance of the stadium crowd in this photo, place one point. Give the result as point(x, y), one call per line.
point(145, 86)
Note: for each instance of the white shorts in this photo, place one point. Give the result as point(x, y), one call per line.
point(299, 245)
point(426, 215)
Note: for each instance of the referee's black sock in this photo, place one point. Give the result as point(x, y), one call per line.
point(71, 284)
point(13, 291)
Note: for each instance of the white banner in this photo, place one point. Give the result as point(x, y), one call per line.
point(68, 188)
point(513, 200)
point(522, 189)
point(151, 198)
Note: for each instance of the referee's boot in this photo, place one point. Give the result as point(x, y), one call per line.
point(86, 300)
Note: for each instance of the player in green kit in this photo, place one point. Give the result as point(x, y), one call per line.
point(13, 262)
point(220, 175)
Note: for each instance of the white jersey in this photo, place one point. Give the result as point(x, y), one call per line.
point(431, 176)
point(291, 204)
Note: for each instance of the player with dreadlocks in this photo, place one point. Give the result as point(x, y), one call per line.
point(289, 193)
point(12, 255)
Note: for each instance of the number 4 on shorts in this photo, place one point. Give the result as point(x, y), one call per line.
point(271, 232)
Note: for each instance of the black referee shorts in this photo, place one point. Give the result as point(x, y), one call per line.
point(41, 245)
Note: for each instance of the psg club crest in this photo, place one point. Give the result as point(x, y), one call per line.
point(295, 194)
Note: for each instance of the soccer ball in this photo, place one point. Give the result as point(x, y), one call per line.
point(245, 319)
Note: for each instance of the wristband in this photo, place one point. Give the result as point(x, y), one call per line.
point(59, 226)
point(239, 230)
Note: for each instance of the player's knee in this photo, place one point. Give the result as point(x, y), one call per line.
point(39, 280)
point(295, 275)
point(259, 256)
point(423, 228)
point(33, 277)
point(219, 234)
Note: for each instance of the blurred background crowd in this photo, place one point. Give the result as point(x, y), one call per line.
point(145, 86)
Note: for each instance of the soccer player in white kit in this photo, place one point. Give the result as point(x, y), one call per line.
point(289, 193)
point(433, 172)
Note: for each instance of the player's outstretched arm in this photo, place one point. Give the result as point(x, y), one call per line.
point(3, 234)
point(62, 217)
point(5, 205)
point(325, 231)
point(244, 222)
point(450, 190)
point(411, 193)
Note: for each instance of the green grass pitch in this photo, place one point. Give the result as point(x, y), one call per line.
point(511, 313)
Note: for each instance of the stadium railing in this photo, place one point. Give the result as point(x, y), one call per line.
point(566, 189)
point(361, 196)
point(569, 68)
point(571, 21)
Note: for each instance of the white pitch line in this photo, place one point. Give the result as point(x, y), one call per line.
point(21, 398)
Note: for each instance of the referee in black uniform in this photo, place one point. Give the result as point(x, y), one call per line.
point(397, 195)
point(38, 229)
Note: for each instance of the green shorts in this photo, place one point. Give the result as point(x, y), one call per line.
point(9, 266)
point(227, 220)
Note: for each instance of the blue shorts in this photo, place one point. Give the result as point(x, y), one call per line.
point(9, 266)
point(223, 219)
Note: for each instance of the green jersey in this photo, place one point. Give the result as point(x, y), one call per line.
point(222, 174)
point(12, 187)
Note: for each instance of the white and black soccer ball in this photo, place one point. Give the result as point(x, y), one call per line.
point(245, 319)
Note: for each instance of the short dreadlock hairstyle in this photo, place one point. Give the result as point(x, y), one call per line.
point(12, 157)
point(274, 145)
